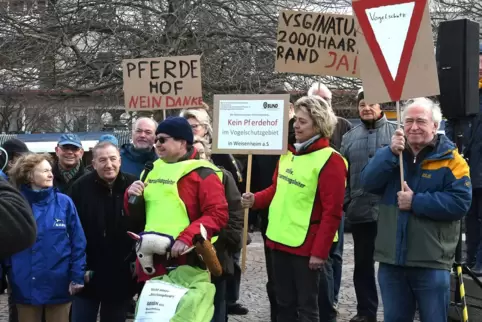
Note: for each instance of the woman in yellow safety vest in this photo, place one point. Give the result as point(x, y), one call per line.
point(305, 209)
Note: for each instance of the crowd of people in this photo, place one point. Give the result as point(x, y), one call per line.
point(67, 256)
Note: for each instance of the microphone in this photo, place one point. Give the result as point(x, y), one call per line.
point(133, 200)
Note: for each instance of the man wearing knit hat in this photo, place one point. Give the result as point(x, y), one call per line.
point(179, 175)
point(13, 148)
point(358, 146)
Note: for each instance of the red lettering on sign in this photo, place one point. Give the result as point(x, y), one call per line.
point(183, 101)
point(145, 102)
point(340, 61)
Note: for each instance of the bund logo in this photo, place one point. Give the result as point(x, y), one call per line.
point(268, 106)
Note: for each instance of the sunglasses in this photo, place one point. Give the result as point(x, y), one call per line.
point(162, 139)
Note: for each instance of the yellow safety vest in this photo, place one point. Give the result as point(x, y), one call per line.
point(165, 211)
point(292, 205)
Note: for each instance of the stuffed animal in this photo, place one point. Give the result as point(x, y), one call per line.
point(150, 243)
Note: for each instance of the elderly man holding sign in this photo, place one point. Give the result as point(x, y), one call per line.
point(418, 228)
point(305, 209)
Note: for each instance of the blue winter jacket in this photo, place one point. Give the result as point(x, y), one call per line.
point(42, 273)
point(427, 235)
point(133, 160)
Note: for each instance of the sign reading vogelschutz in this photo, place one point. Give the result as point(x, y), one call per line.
point(250, 124)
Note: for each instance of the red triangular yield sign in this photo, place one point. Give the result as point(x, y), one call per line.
point(394, 84)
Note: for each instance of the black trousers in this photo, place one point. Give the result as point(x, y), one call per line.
point(364, 235)
point(296, 287)
point(269, 267)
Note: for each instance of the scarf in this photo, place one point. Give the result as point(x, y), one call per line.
point(480, 83)
point(68, 175)
point(301, 146)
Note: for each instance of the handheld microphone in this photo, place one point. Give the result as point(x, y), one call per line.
point(147, 168)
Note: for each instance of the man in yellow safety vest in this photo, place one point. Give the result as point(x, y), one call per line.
point(181, 192)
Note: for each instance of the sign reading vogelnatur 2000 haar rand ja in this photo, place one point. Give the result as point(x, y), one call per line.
point(162, 83)
point(250, 124)
point(317, 44)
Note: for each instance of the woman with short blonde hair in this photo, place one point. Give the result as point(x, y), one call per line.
point(200, 122)
point(321, 112)
point(305, 210)
point(46, 275)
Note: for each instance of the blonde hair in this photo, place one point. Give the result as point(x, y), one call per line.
point(321, 113)
point(22, 170)
point(200, 115)
point(205, 144)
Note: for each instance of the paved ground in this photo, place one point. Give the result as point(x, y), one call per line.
point(253, 286)
point(253, 291)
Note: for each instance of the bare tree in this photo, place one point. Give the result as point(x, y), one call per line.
point(76, 47)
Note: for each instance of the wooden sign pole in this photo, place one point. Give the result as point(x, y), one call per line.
point(246, 215)
point(399, 126)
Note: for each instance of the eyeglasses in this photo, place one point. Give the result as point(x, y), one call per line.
point(72, 148)
point(162, 139)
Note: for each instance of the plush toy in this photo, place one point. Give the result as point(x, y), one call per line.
point(205, 250)
point(150, 243)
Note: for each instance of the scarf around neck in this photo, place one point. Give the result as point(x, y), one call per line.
point(68, 175)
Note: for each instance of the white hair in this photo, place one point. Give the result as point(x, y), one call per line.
point(316, 87)
point(427, 104)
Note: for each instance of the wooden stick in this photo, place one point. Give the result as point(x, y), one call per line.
point(164, 115)
point(399, 126)
point(246, 215)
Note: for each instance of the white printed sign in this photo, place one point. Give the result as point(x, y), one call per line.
point(158, 301)
point(251, 124)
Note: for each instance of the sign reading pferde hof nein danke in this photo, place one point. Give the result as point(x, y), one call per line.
point(317, 44)
point(250, 124)
point(162, 83)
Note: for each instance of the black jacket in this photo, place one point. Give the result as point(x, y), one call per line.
point(59, 181)
point(18, 229)
point(231, 164)
point(230, 237)
point(110, 251)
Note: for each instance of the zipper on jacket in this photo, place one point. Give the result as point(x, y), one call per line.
point(414, 159)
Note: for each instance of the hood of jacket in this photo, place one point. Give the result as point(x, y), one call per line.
point(140, 156)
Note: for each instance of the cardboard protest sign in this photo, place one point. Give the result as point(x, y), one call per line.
point(162, 83)
point(250, 124)
point(316, 44)
point(397, 57)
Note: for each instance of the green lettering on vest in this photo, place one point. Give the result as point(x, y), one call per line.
point(165, 211)
point(291, 208)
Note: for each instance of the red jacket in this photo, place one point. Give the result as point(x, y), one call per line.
point(203, 194)
point(327, 207)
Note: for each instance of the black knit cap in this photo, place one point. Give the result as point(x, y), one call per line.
point(360, 96)
point(177, 128)
point(14, 148)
